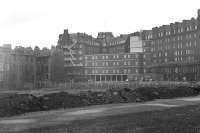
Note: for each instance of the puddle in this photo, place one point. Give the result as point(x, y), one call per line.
point(161, 105)
point(17, 121)
point(87, 111)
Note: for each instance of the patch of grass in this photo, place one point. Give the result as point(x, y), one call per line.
point(174, 120)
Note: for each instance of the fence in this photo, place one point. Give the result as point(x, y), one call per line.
point(125, 84)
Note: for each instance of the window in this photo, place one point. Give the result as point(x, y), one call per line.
point(195, 35)
point(125, 71)
point(1, 66)
point(102, 71)
point(176, 52)
point(93, 71)
point(117, 70)
point(136, 70)
point(129, 70)
point(190, 36)
point(80, 52)
point(195, 43)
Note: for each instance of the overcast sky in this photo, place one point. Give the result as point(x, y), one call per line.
point(39, 22)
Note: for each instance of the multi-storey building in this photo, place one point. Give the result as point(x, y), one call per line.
point(4, 65)
point(105, 58)
point(26, 68)
point(22, 68)
point(111, 44)
point(49, 67)
point(42, 66)
point(175, 49)
point(113, 67)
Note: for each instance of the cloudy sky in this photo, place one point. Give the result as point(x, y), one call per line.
point(39, 22)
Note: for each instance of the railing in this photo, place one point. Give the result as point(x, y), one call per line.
point(122, 84)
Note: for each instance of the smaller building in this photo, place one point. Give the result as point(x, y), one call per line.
point(22, 70)
point(42, 67)
point(113, 67)
point(4, 65)
point(49, 67)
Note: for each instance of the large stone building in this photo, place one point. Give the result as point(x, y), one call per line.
point(4, 65)
point(27, 68)
point(104, 58)
point(169, 50)
point(175, 49)
point(22, 68)
point(49, 67)
point(113, 67)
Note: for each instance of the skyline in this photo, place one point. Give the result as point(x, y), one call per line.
point(30, 23)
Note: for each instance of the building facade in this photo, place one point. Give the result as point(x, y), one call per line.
point(104, 58)
point(42, 67)
point(113, 67)
point(22, 70)
point(175, 49)
point(25, 68)
point(4, 65)
point(49, 67)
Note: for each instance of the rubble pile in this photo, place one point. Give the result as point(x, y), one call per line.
point(13, 104)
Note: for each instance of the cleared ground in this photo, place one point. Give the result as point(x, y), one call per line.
point(162, 116)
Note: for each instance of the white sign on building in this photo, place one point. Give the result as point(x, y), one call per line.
point(136, 44)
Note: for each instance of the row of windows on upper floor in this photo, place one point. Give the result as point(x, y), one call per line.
point(116, 56)
point(89, 42)
point(114, 71)
point(174, 31)
point(114, 43)
point(180, 69)
point(93, 43)
point(176, 59)
point(4, 67)
point(176, 38)
point(180, 45)
point(95, 50)
point(176, 53)
point(116, 63)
